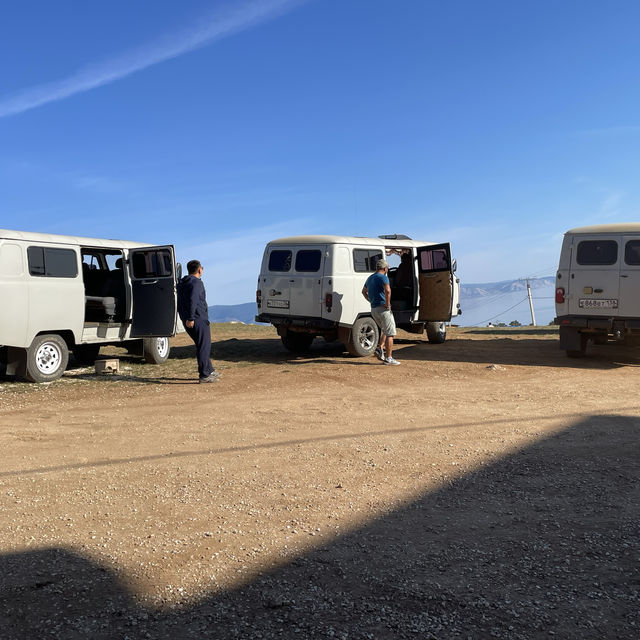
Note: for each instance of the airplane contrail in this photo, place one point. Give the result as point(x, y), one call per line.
point(221, 24)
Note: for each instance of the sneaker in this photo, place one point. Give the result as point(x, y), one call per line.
point(212, 377)
point(390, 360)
point(379, 353)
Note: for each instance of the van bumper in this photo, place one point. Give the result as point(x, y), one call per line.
point(301, 322)
point(611, 324)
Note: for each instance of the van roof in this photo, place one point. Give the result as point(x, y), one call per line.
point(387, 242)
point(620, 227)
point(29, 236)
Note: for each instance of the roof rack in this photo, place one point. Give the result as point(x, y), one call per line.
point(395, 236)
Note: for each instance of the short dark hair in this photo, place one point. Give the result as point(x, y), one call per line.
point(193, 266)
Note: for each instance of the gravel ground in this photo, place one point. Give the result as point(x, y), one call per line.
point(486, 488)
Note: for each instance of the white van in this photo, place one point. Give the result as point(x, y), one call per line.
point(598, 286)
point(311, 286)
point(62, 293)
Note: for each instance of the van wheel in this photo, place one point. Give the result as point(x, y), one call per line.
point(155, 350)
point(47, 358)
point(436, 332)
point(86, 353)
point(579, 353)
point(364, 337)
point(297, 342)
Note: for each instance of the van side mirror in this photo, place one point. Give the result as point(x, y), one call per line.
point(178, 271)
point(454, 266)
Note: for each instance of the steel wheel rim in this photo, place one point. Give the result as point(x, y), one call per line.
point(367, 336)
point(162, 345)
point(48, 358)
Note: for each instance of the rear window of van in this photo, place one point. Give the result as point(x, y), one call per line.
point(308, 260)
point(632, 252)
point(280, 260)
point(597, 252)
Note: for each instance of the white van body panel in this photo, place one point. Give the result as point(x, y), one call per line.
point(598, 286)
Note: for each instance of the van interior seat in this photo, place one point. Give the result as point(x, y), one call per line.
point(104, 294)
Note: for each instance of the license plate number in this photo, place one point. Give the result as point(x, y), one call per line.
point(278, 304)
point(587, 303)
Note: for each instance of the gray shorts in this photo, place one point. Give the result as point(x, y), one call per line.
point(384, 319)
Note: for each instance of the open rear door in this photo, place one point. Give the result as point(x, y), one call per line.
point(153, 289)
point(435, 283)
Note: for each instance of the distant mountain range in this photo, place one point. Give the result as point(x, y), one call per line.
point(481, 303)
point(472, 291)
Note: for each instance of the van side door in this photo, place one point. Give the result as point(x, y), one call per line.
point(629, 301)
point(153, 291)
point(435, 283)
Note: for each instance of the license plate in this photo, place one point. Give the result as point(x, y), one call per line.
point(278, 304)
point(588, 303)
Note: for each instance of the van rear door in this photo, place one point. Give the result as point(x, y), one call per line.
point(435, 283)
point(305, 284)
point(594, 281)
point(153, 291)
point(629, 305)
point(276, 283)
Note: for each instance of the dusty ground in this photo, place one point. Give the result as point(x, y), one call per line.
point(487, 487)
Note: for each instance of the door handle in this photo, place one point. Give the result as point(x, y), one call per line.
point(622, 275)
point(149, 282)
point(273, 292)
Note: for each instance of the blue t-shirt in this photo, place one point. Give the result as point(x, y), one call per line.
point(375, 288)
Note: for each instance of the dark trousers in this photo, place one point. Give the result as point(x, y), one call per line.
point(201, 336)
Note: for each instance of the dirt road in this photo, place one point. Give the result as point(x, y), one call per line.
point(487, 487)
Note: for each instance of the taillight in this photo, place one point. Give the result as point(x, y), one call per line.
point(328, 301)
point(560, 295)
point(259, 297)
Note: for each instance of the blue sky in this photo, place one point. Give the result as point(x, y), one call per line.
point(216, 126)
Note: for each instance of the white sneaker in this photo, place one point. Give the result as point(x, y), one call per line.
point(379, 353)
point(390, 360)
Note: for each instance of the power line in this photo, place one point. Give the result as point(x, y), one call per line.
point(500, 313)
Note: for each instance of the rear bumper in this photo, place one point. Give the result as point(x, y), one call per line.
point(298, 322)
point(610, 324)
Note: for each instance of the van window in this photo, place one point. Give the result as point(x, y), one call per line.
point(152, 263)
point(308, 260)
point(632, 252)
point(364, 260)
point(52, 263)
point(280, 260)
point(597, 252)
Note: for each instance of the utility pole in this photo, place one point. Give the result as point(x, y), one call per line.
point(533, 315)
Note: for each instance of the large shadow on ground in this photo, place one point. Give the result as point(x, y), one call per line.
point(543, 543)
point(494, 350)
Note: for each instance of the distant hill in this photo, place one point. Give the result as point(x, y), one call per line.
point(471, 291)
point(481, 303)
point(233, 313)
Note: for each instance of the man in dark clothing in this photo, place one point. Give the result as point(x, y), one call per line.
point(194, 313)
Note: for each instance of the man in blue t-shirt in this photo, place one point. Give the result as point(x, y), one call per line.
point(377, 291)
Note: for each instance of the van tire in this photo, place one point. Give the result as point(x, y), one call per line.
point(296, 341)
point(86, 353)
point(581, 352)
point(436, 332)
point(155, 350)
point(364, 337)
point(47, 358)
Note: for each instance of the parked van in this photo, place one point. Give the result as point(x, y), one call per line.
point(62, 293)
point(598, 286)
point(312, 286)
